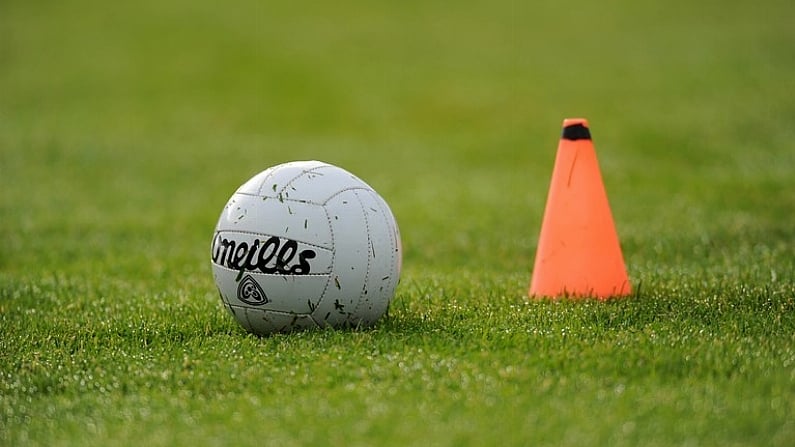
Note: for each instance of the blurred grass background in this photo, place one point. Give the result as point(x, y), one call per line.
point(124, 128)
point(170, 104)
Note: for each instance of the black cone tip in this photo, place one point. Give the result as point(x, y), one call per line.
point(576, 131)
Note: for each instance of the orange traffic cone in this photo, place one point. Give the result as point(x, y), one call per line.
point(578, 250)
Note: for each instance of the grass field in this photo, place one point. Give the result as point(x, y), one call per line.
point(125, 128)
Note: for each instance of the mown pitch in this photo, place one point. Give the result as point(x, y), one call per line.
point(124, 129)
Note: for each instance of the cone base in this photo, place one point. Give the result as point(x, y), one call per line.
point(620, 291)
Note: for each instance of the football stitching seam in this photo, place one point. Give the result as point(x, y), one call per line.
point(369, 251)
point(269, 274)
point(283, 199)
point(262, 184)
point(352, 188)
point(276, 235)
point(333, 259)
point(309, 202)
point(386, 213)
point(280, 312)
point(305, 172)
point(275, 168)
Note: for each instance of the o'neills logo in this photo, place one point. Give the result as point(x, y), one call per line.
point(273, 255)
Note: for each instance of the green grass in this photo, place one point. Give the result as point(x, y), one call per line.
point(124, 129)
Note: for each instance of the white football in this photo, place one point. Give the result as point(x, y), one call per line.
point(306, 244)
